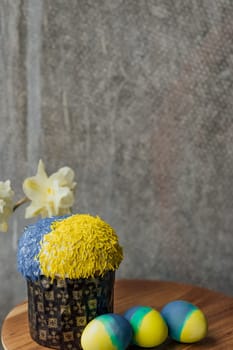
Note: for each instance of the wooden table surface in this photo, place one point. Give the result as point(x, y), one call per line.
point(217, 307)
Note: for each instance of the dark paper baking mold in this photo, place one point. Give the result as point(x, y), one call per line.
point(58, 311)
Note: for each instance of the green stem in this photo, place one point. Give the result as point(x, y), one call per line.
point(20, 202)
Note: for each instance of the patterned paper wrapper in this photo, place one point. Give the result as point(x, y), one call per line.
point(58, 311)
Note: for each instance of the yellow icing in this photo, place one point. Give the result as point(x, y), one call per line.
point(79, 246)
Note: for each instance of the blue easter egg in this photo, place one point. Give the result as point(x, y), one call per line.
point(186, 322)
point(107, 332)
point(149, 327)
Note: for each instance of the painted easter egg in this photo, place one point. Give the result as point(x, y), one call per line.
point(186, 322)
point(149, 327)
point(107, 332)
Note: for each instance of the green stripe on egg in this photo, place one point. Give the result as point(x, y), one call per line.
point(186, 322)
point(136, 315)
point(107, 332)
point(94, 337)
point(114, 324)
point(149, 328)
point(195, 327)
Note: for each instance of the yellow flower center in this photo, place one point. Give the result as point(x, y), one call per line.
point(50, 191)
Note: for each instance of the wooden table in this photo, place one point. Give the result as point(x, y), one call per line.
point(217, 307)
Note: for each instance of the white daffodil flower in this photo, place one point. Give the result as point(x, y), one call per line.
point(6, 204)
point(53, 195)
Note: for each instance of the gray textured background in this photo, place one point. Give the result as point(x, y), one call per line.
point(136, 96)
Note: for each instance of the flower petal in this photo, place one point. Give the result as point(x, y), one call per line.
point(5, 189)
point(3, 227)
point(41, 171)
point(33, 188)
point(33, 210)
point(6, 204)
point(65, 177)
point(49, 195)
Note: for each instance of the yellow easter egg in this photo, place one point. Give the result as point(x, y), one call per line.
point(107, 332)
point(186, 322)
point(149, 327)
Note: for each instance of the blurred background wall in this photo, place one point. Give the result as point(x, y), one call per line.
point(136, 96)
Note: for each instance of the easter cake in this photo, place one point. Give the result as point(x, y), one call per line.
point(69, 264)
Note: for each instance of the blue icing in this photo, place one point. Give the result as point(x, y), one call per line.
point(29, 247)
